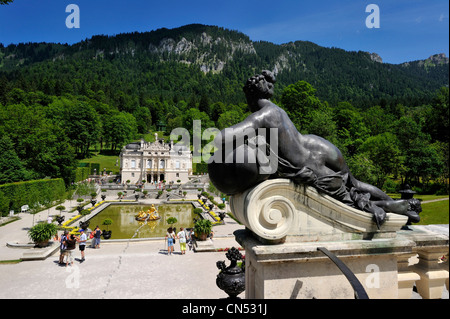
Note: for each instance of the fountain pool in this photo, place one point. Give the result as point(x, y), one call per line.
point(124, 224)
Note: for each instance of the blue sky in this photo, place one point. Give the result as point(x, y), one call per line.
point(409, 29)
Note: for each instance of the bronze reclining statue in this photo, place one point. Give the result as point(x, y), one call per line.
point(304, 159)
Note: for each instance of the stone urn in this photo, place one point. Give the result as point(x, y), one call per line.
point(106, 234)
point(414, 205)
point(231, 279)
point(202, 236)
point(42, 244)
point(60, 219)
point(84, 225)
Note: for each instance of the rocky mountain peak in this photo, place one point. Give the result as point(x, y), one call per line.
point(440, 58)
point(375, 57)
point(210, 52)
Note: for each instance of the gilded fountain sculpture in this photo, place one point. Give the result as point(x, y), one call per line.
point(149, 215)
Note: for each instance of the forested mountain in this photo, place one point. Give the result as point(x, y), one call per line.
point(58, 101)
point(197, 60)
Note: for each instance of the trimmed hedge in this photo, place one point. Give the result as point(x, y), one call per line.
point(81, 173)
point(200, 168)
point(32, 193)
point(93, 167)
point(85, 169)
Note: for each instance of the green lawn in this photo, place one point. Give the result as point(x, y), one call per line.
point(150, 137)
point(420, 197)
point(105, 161)
point(434, 213)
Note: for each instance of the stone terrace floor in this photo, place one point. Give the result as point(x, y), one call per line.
point(138, 270)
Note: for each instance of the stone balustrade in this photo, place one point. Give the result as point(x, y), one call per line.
point(431, 244)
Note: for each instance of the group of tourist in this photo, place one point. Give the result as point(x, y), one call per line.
point(183, 235)
point(68, 244)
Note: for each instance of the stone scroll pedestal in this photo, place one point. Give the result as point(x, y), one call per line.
point(285, 224)
point(279, 211)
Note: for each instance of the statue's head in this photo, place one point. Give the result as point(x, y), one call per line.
point(260, 86)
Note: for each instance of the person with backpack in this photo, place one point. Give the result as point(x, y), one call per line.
point(70, 245)
point(62, 247)
point(170, 236)
point(189, 238)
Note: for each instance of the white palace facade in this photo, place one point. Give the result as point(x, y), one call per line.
point(155, 162)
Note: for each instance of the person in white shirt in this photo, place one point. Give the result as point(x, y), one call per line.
point(82, 243)
point(182, 236)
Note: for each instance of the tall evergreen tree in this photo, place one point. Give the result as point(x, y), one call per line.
point(11, 167)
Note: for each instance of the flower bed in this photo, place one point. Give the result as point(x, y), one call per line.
point(216, 218)
point(75, 230)
point(70, 221)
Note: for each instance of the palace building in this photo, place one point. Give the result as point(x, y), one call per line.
point(155, 162)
